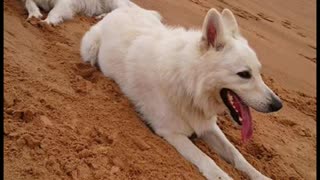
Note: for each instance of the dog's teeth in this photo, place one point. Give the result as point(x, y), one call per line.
point(240, 119)
point(230, 98)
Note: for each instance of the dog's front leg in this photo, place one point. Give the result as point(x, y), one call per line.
point(32, 9)
point(187, 149)
point(218, 141)
point(61, 11)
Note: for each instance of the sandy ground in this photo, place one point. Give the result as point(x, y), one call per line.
point(64, 120)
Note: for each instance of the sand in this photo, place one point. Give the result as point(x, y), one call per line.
point(64, 120)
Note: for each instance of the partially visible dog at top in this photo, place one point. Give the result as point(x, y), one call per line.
point(60, 10)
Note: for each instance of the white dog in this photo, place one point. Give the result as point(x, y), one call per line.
point(181, 80)
point(61, 10)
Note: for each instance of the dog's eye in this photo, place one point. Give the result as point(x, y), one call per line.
point(244, 74)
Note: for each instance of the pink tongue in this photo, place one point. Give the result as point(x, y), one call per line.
point(247, 129)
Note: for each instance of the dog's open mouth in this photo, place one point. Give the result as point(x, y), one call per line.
point(239, 111)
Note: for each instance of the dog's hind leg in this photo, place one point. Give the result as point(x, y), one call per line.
point(90, 45)
point(217, 140)
point(61, 11)
point(192, 153)
point(32, 9)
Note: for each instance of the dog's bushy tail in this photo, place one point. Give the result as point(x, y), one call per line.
point(90, 45)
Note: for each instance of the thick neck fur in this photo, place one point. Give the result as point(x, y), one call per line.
point(185, 82)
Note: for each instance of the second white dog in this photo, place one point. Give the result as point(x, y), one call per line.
point(181, 80)
point(61, 10)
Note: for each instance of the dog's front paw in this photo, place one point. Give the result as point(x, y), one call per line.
point(52, 21)
point(35, 14)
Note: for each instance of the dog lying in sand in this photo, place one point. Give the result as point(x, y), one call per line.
point(180, 80)
point(61, 10)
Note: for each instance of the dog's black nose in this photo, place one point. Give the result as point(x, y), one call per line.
point(275, 105)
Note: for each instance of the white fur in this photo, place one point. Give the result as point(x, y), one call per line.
point(174, 76)
point(61, 10)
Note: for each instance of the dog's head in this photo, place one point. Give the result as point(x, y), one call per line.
point(231, 68)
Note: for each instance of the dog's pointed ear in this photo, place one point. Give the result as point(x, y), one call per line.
point(213, 30)
point(230, 22)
